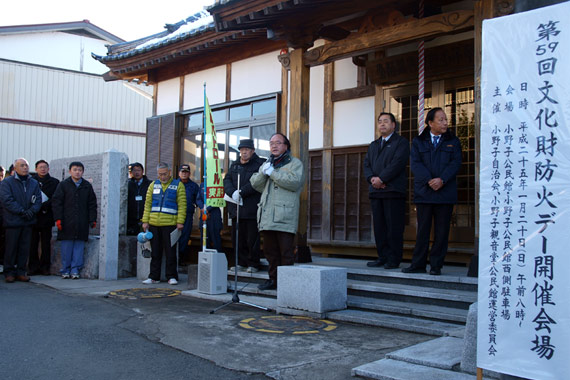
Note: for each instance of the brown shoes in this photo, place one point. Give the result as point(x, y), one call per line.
point(23, 278)
point(10, 279)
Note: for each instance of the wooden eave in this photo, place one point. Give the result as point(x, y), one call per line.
point(137, 66)
point(414, 30)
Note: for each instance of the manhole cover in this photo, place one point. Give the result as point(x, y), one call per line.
point(138, 293)
point(280, 324)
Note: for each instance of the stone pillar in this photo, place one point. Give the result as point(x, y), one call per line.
point(113, 178)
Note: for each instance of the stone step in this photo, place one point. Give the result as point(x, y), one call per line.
point(404, 323)
point(443, 353)
point(452, 277)
point(389, 369)
point(408, 308)
point(460, 299)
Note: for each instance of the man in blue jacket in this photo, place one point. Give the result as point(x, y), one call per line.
point(21, 200)
point(436, 159)
point(385, 171)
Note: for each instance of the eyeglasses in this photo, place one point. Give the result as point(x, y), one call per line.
point(275, 143)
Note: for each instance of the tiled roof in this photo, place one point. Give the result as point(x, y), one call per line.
point(192, 26)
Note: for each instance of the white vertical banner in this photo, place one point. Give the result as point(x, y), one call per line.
point(524, 255)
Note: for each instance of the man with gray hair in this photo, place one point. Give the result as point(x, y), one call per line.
point(21, 200)
point(164, 211)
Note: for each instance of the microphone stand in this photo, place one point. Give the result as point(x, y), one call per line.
point(235, 296)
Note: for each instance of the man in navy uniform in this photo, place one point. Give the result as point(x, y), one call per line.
point(436, 159)
point(385, 171)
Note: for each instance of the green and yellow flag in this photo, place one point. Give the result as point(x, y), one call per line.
point(214, 179)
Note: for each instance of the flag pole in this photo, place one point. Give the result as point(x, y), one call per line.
point(205, 176)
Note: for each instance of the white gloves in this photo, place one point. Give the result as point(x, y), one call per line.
point(235, 195)
point(267, 168)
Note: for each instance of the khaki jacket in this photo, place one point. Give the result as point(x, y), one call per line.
point(278, 209)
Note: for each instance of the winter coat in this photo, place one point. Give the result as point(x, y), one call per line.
point(249, 195)
point(278, 208)
point(192, 190)
point(135, 209)
point(18, 196)
point(48, 184)
point(76, 207)
point(442, 162)
point(162, 219)
point(388, 163)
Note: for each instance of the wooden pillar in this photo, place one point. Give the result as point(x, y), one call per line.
point(228, 82)
point(181, 94)
point(299, 137)
point(282, 120)
point(327, 174)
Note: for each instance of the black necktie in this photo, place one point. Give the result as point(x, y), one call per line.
point(382, 144)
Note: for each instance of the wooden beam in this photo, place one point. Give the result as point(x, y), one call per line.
point(429, 27)
point(299, 132)
point(352, 93)
point(181, 93)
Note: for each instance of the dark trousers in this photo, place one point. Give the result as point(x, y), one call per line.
point(185, 236)
point(441, 216)
point(248, 242)
point(160, 243)
point(214, 227)
point(278, 249)
point(17, 250)
point(388, 215)
point(43, 262)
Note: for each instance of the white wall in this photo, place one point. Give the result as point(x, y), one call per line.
point(353, 122)
point(345, 74)
point(44, 95)
point(215, 80)
point(316, 107)
point(168, 95)
point(55, 49)
point(35, 143)
point(256, 76)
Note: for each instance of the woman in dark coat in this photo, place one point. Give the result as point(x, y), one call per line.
point(74, 207)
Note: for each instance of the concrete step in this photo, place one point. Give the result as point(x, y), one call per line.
point(443, 353)
point(389, 369)
point(404, 323)
point(408, 309)
point(460, 299)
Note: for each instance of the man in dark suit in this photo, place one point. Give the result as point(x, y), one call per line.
point(436, 159)
point(385, 171)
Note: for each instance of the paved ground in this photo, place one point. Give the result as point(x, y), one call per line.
point(168, 337)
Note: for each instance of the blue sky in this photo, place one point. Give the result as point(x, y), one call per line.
point(127, 20)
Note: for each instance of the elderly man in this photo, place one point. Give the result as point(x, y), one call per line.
point(385, 171)
point(41, 233)
point(245, 166)
point(21, 200)
point(279, 181)
point(164, 211)
point(138, 186)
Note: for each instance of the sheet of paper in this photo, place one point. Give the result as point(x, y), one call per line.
point(174, 236)
point(227, 198)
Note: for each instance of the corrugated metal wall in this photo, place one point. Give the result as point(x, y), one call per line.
point(49, 113)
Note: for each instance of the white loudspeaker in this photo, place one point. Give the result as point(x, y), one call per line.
point(212, 272)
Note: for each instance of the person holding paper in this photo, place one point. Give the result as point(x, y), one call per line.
point(245, 166)
point(164, 211)
point(41, 232)
point(279, 180)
